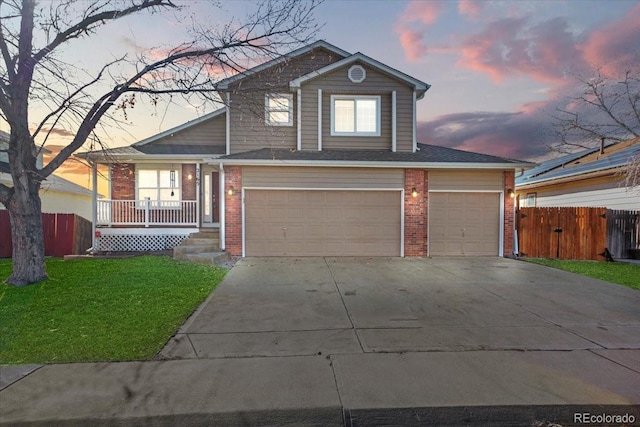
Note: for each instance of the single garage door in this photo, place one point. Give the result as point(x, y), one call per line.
point(464, 223)
point(322, 223)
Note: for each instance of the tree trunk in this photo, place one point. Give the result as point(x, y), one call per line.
point(27, 238)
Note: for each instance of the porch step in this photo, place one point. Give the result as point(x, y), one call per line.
point(199, 241)
point(209, 258)
point(180, 251)
point(208, 233)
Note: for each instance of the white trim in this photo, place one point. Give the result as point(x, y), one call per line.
point(287, 96)
point(227, 136)
point(401, 190)
point(198, 194)
point(94, 204)
point(357, 67)
point(402, 223)
point(417, 84)
point(415, 130)
point(394, 132)
point(299, 118)
point(319, 119)
point(501, 242)
point(242, 209)
point(356, 98)
point(323, 189)
point(501, 219)
point(179, 128)
point(141, 231)
point(365, 164)
point(222, 218)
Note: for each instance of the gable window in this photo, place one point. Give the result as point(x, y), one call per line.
point(355, 115)
point(161, 186)
point(278, 109)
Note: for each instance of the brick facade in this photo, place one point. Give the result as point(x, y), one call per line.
point(189, 185)
point(415, 212)
point(123, 181)
point(509, 213)
point(233, 210)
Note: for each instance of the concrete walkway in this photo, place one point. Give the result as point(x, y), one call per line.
point(362, 341)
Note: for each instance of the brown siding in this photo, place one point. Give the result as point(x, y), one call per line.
point(210, 132)
point(338, 83)
point(310, 177)
point(248, 130)
point(490, 180)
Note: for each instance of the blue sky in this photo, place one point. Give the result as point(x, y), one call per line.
point(498, 69)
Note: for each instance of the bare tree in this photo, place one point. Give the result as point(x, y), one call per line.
point(608, 108)
point(80, 100)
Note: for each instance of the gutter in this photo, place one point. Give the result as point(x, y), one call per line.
point(565, 179)
point(372, 164)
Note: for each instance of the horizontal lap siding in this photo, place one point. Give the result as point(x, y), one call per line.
point(338, 83)
point(248, 130)
point(210, 132)
point(604, 191)
point(301, 177)
point(465, 180)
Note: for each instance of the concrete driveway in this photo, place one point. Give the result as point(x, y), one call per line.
point(310, 306)
point(366, 342)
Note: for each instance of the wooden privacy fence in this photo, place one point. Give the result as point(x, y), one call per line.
point(64, 234)
point(576, 233)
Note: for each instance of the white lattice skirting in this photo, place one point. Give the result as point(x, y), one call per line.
point(134, 242)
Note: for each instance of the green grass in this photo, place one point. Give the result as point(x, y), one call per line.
point(100, 309)
point(616, 272)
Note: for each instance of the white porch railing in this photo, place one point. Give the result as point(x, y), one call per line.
point(147, 212)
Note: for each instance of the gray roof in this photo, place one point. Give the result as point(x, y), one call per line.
point(557, 168)
point(158, 149)
point(425, 154)
point(53, 183)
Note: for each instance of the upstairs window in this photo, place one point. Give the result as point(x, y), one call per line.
point(278, 109)
point(355, 115)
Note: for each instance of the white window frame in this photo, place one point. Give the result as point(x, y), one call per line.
point(355, 98)
point(267, 110)
point(155, 202)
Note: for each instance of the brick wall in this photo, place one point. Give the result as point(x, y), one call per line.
point(415, 212)
point(509, 214)
point(233, 210)
point(123, 181)
point(189, 185)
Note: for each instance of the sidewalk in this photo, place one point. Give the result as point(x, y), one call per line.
point(481, 388)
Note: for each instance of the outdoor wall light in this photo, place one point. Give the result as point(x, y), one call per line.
point(189, 176)
point(414, 192)
point(230, 191)
point(511, 193)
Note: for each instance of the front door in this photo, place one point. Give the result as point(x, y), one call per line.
point(210, 197)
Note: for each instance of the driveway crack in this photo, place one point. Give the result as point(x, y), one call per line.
point(353, 326)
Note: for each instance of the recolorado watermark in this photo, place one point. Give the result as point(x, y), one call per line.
point(589, 418)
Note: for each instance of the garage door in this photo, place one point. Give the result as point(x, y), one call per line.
point(322, 223)
point(464, 223)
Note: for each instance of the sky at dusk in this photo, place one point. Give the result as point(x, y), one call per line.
point(498, 69)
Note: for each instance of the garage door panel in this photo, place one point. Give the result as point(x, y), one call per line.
point(319, 222)
point(464, 223)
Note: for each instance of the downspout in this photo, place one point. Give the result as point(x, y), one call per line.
point(222, 208)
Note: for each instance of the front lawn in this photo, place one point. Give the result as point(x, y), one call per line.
point(617, 272)
point(100, 309)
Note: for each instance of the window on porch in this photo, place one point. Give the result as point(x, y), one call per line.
point(161, 186)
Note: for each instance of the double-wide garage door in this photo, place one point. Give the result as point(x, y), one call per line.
point(322, 223)
point(464, 223)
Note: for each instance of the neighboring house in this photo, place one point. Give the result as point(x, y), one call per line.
point(315, 153)
point(589, 178)
point(57, 194)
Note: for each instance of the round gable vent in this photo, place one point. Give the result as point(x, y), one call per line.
point(357, 74)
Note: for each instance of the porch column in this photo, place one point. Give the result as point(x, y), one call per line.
point(197, 177)
point(221, 208)
point(94, 206)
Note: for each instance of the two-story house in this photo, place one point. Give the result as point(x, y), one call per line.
point(314, 153)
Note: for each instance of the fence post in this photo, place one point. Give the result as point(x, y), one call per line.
point(147, 206)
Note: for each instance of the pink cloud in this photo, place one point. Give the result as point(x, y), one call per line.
point(616, 45)
point(416, 13)
point(426, 12)
point(470, 8)
point(509, 48)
